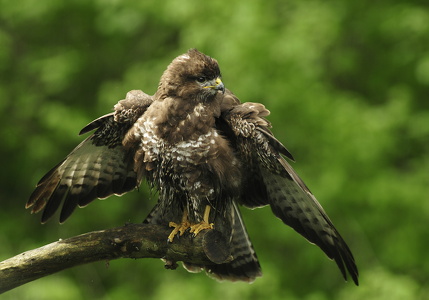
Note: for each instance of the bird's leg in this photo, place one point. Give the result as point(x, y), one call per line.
point(179, 228)
point(204, 224)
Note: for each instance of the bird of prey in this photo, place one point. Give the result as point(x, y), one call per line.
point(205, 153)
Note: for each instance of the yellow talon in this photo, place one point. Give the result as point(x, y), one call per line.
point(204, 224)
point(196, 228)
point(179, 228)
point(184, 225)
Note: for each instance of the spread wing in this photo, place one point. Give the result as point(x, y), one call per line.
point(270, 180)
point(97, 168)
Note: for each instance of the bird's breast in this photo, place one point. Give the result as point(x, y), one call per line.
point(195, 150)
point(186, 152)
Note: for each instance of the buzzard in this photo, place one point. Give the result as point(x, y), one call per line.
point(205, 153)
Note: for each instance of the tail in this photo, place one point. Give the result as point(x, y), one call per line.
point(244, 266)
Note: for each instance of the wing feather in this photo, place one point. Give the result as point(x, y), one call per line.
point(268, 179)
point(97, 168)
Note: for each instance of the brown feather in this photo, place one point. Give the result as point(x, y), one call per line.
point(199, 146)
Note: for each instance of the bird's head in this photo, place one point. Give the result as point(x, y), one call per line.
point(193, 76)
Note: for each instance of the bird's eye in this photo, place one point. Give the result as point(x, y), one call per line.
point(201, 79)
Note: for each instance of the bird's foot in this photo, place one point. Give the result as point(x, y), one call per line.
point(204, 224)
point(196, 228)
point(178, 229)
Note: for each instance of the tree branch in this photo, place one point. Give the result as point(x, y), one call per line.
point(129, 241)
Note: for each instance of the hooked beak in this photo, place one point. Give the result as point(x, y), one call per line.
point(217, 85)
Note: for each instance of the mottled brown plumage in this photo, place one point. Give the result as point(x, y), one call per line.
point(201, 148)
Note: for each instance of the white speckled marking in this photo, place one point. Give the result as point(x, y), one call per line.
point(191, 151)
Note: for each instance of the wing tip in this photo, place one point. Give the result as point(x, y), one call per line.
point(95, 123)
point(346, 263)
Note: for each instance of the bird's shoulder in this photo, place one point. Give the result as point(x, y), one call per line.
point(245, 125)
point(111, 128)
point(132, 107)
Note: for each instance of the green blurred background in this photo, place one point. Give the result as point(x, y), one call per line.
point(347, 83)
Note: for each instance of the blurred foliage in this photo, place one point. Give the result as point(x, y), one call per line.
point(347, 83)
